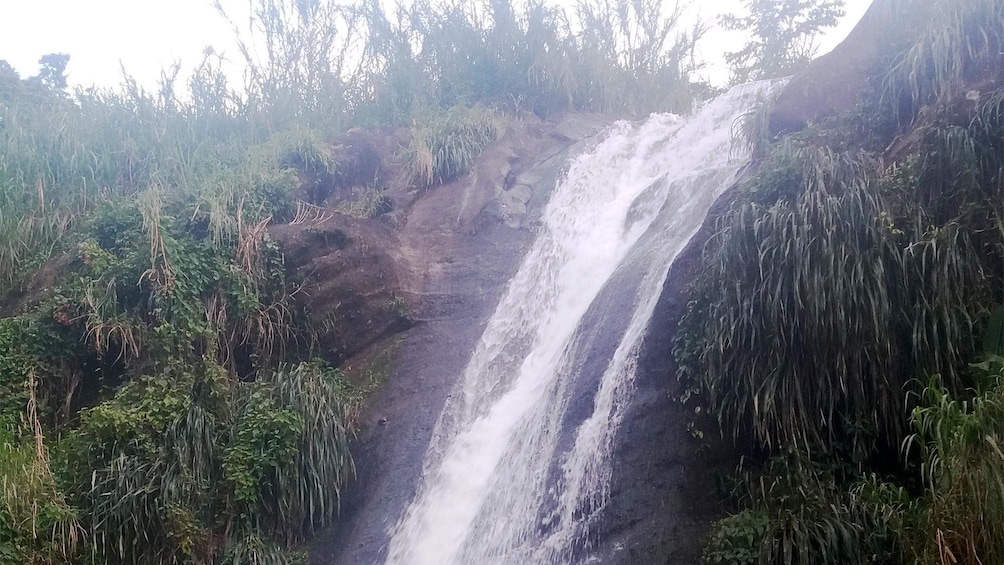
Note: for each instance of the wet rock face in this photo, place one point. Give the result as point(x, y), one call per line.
point(347, 270)
point(663, 487)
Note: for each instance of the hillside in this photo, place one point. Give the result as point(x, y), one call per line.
point(844, 326)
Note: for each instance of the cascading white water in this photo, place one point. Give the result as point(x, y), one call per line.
point(498, 485)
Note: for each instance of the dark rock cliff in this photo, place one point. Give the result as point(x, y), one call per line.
point(663, 495)
point(835, 82)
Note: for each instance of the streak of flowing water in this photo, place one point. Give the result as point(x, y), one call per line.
point(500, 485)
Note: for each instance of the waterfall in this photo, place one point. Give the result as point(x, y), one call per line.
point(512, 476)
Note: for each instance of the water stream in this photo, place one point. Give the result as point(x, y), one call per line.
point(512, 476)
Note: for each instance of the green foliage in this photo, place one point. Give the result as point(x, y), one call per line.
point(16, 362)
point(857, 261)
point(959, 443)
point(175, 463)
point(143, 465)
point(264, 440)
point(958, 42)
point(831, 284)
point(329, 64)
point(305, 153)
point(306, 73)
point(751, 131)
point(251, 548)
point(634, 57)
point(783, 36)
point(993, 335)
point(369, 203)
point(225, 151)
point(153, 211)
point(815, 517)
point(36, 523)
point(444, 145)
point(802, 513)
point(736, 540)
point(302, 496)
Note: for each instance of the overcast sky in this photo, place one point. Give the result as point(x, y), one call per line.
point(145, 36)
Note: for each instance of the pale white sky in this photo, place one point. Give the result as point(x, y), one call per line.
point(148, 35)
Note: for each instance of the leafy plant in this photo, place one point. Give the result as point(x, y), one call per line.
point(736, 540)
point(959, 443)
point(856, 262)
point(37, 524)
point(175, 463)
point(956, 42)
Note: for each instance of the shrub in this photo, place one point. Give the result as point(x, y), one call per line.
point(960, 445)
point(16, 362)
point(443, 146)
point(736, 540)
point(175, 463)
point(802, 513)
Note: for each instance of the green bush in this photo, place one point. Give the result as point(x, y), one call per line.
point(960, 445)
point(736, 540)
point(802, 513)
point(832, 283)
point(174, 463)
point(16, 361)
point(859, 260)
point(37, 525)
point(444, 145)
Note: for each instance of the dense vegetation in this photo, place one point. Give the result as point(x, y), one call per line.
point(848, 318)
point(161, 397)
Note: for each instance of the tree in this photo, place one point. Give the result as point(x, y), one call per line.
point(10, 81)
point(52, 71)
point(782, 36)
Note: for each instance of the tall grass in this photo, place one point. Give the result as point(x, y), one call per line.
point(37, 525)
point(324, 66)
point(631, 57)
point(959, 443)
point(837, 280)
point(847, 271)
point(445, 145)
point(181, 469)
point(960, 41)
point(303, 496)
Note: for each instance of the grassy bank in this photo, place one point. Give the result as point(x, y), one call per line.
point(846, 326)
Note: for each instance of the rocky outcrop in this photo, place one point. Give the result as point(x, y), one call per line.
point(349, 284)
point(663, 491)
